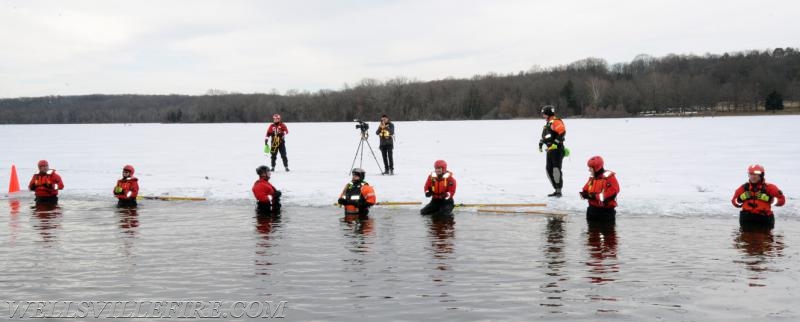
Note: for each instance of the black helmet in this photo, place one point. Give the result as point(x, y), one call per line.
point(549, 110)
point(262, 169)
point(359, 172)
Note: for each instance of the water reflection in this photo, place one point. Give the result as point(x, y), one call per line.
point(13, 220)
point(554, 263)
point(441, 233)
point(758, 245)
point(128, 221)
point(265, 227)
point(359, 231)
point(47, 221)
point(601, 244)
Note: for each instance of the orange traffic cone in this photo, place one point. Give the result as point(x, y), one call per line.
point(13, 185)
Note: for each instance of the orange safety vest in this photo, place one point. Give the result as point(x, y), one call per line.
point(353, 192)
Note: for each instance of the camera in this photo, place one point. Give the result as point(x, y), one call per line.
point(363, 126)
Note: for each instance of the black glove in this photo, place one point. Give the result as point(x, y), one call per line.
point(266, 141)
point(428, 193)
point(584, 195)
point(31, 187)
point(342, 201)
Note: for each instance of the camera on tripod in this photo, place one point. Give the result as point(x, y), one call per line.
point(363, 126)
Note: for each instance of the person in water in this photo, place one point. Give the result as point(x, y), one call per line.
point(267, 197)
point(127, 188)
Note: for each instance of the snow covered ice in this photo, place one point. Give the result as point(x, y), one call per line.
point(666, 166)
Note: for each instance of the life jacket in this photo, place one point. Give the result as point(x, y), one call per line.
point(597, 185)
point(127, 188)
point(354, 192)
point(440, 186)
point(554, 132)
point(762, 204)
point(384, 131)
point(47, 184)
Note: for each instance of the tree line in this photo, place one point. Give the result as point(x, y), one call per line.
point(733, 82)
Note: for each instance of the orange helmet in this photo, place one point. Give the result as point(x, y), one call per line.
point(42, 163)
point(595, 162)
point(755, 169)
point(128, 168)
point(440, 164)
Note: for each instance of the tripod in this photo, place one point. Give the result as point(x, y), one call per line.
point(360, 151)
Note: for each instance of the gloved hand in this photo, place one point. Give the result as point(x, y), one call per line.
point(540, 146)
point(745, 195)
point(428, 193)
point(266, 141)
point(32, 187)
point(118, 190)
point(584, 195)
point(447, 196)
point(763, 197)
point(342, 201)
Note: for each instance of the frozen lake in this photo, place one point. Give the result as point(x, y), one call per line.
point(675, 253)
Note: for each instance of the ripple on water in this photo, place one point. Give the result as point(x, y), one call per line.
point(398, 265)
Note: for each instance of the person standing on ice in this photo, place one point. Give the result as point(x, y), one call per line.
point(267, 197)
point(441, 188)
point(601, 191)
point(386, 134)
point(46, 184)
point(357, 196)
point(553, 135)
point(127, 188)
point(276, 132)
point(756, 198)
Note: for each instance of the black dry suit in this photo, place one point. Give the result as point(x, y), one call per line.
point(555, 152)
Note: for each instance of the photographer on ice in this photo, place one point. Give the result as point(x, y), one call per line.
point(386, 134)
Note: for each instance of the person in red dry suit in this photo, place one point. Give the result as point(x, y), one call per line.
point(267, 197)
point(46, 184)
point(756, 198)
point(601, 191)
point(440, 186)
point(127, 188)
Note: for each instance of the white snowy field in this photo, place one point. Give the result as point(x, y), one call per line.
point(665, 166)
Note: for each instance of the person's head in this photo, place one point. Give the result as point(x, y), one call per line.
point(276, 118)
point(43, 166)
point(595, 164)
point(548, 111)
point(358, 174)
point(127, 171)
point(440, 167)
point(755, 172)
point(384, 119)
point(263, 172)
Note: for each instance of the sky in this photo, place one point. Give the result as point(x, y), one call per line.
point(191, 47)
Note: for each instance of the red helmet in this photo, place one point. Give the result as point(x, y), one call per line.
point(755, 169)
point(276, 117)
point(595, 162)
point(440, 164)
point(42, 163)
point(128, 167)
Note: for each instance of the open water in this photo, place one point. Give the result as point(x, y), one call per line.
point(400, 266)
